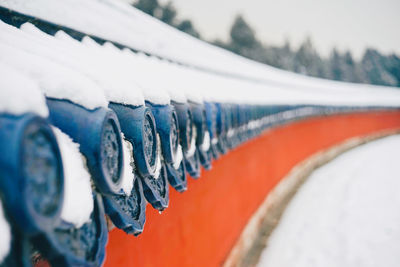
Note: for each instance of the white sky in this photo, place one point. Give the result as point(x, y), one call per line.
point(346, 24)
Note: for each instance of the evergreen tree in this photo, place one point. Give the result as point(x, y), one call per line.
point(220, 43)
point(242, 36)
point(392, 65)
point(187, 26)
point(336, 66)
point(352, 71)
point(286, 56)
point(148, 6)
point(168, 13)
point(307, 61)
point(348, 68)
point(374, 67)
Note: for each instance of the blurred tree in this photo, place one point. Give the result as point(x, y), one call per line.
point(307, 60)
point(187, 26)
point(242, 35)
point(148, 6)
point(221, 44)
point(280, 57)
point(286, 56)
point(168, 13)
point(336, 66)
point(392, 65)
point(353, 71)
point(349, 67)
point(374, 67)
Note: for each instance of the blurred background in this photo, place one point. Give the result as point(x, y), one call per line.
point(353, 41)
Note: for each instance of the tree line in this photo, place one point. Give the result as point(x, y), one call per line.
point(372, 68)
point(166, 13)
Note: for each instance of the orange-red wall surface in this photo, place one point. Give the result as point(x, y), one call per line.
point(201, 225)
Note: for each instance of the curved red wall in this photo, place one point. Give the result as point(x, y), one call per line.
point(201, 226)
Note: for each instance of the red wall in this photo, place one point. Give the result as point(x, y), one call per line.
point(202, 225)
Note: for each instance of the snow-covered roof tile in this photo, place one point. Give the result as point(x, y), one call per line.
point(42, 62)
point(78, 198)
point(19, 94)
point(5, 240)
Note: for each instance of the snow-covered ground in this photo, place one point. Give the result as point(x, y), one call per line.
point(346, 215)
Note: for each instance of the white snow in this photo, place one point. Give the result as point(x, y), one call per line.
point(111, 69)
point(347, 214)
point(178, 158)
point(157, 172)
point(19, 94)
point(214, 141)
point(128, 176)
point(96, 62)
point(114, 71)
point(205, 145)
point(63, 66)
point(254, 82)
point(192, 148)
point(5, 233)
point(156, 96)
point(78, 199)
point(54, 79)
